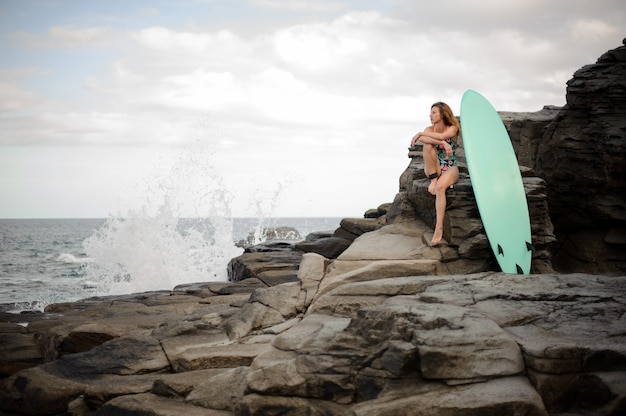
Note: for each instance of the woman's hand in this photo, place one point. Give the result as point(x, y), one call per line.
point(447, 148)
point(415, 139)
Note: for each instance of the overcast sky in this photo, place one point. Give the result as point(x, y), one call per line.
point(285, 107)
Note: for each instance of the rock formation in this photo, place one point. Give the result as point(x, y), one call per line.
point(379, 339)
point(582, 157)
point(366, 320)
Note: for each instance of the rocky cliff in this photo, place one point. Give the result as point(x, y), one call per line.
point(582, 157)
point(367, 319)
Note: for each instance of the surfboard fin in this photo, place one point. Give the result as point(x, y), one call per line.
point(519, 269)
point(530, 247)
point(500, 251)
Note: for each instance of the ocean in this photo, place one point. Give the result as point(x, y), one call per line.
point(45, 261)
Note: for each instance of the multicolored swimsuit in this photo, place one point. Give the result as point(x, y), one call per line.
point(445, 161)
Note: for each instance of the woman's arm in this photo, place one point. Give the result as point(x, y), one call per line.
point(428, 136)
point(447, 133)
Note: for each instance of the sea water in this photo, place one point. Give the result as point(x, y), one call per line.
point(45, 261)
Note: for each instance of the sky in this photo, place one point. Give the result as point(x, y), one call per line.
point(250, 108)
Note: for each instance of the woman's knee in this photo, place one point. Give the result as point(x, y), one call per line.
point(441, 188)
point(442, 185)
point(429, 151)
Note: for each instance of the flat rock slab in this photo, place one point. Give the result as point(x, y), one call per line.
point(505, 396)
point(151, 405)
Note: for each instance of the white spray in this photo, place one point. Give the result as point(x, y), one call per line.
point(183, 233)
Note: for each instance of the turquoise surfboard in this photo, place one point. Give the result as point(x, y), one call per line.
point(497, 183)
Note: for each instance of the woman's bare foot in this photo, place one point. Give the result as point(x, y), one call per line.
point(437, 236)
point(432, 188)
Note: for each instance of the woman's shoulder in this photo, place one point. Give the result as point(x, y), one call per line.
point(453, 129)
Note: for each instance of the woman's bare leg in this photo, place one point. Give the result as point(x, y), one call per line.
point(431, 165)
point(447, 179)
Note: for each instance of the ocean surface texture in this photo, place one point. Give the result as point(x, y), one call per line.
point(44, 261)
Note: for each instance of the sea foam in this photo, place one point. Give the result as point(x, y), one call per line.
point(156, 247)
point(141, 252)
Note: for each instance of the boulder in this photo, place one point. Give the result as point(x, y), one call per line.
point(265, 308)
point(222, 391)
point(254, 263)
point(506, 396)
point(256, 404)
point(330, 247)
point(54, 385)
point(19, 351)
point(45, 389)
point(525, 129)
point(358, 226)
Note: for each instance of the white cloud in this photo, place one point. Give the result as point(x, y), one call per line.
point(335, 45)
point(316, 50)
point(298, 5)
point(171, 41)
point(200, 90)
point(66, 37)
point(593, 30)
point(13, 98)
point(125, 76)
point(150, 11)
point(59, 37)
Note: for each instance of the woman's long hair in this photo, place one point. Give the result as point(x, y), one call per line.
point(447, 115)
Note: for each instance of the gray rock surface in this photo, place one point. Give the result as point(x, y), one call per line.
point(582, 157)
point(347, 340)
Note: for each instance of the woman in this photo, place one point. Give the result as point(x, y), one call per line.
point(439, 158)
